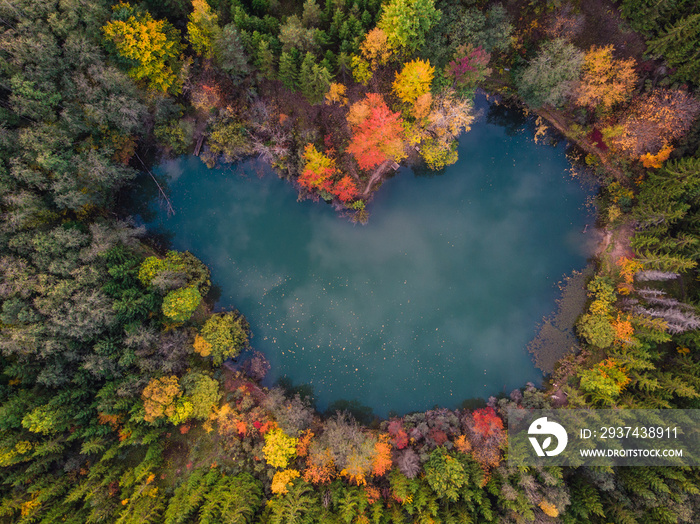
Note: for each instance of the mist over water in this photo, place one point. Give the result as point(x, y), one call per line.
point(430, 303)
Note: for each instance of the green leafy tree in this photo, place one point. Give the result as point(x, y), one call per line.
point(406, 22)
point(605, 381)
point(549, 77)
point(300, 505)
point(178, 305)
point(288, 71)
point(227, 334)
point(202, 392)
point(445, 474)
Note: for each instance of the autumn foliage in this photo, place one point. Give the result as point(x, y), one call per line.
point(159, 397)
point(336, 94)
point(655, 120)
point(656, 161)
point(320, 468)
point(320, 173)
point(381, 462)
point(487, 422)
point(623, 329)
point(282, 480)
point(605, 81)
point(413, 81)
point(469, 67)
point(345, 189)
point(152, 46)
point(319, 170)
point(377, 132)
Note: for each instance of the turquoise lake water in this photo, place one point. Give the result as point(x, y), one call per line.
point(432, 302)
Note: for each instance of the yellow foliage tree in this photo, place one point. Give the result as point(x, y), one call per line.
point(361, 70)
point(201, 346)
point(279, 448)
point(605, 81)
point(413, 81)
point(357, 468)
point(449, 116)
point(150, 47)
point(282, 479)
point(549, 509)
point(336, 94)
point(159, 397)
point(202, 28)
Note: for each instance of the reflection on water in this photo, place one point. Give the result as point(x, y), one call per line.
point(434, 301)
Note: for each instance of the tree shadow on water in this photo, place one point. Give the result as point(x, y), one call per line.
point(511, 118)
point(363, 414)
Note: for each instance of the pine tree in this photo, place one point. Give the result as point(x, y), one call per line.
point(680, 46)
point(314, 79)
point(288, 71)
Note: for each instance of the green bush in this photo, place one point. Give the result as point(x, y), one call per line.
point(227, 333)
point(179, 305)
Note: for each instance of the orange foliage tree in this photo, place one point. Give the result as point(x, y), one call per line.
point(623, 329)
point(656, 161)
point(381, 462)
point(320, 468)
point(462, 444)
point(605, 81)
point(356, 469)
point(376, 48)
point(377, 132)
point(628, 268)
point(487, 437)
point(655, 120)
point(304, 442)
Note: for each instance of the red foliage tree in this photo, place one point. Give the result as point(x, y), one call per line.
point(377, 132)
point(469, 66)
point(487, 423)
point(345, 189)
point(318, 170)
point(400, 440)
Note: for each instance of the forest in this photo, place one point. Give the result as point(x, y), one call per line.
point(119, 401)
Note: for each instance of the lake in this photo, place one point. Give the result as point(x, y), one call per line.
point(432, 302)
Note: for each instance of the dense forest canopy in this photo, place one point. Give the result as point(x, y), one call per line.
point(116, 402)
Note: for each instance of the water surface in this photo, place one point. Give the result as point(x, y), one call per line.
point(430, 303)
